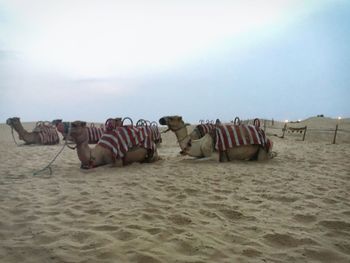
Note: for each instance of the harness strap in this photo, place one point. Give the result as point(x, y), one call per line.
point(13, 136)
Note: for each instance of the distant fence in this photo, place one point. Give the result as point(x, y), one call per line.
point(290, 128)
point(287, 128)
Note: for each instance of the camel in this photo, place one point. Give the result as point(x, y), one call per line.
point(178, 126)
point(94, 133)
point(118, 147)
point(43, 133)
point(209, 144)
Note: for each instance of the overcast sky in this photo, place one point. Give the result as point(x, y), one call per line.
point(202, 59)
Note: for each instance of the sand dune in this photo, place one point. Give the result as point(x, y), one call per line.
point(294, 208)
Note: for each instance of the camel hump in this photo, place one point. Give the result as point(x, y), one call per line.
point(112, 123)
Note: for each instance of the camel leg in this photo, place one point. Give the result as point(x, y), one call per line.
point(117, 163)
point(262, 155)
point(155, 157)
point(223, 157)
point(215, 156)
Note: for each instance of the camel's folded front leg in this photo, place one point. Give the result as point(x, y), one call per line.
point(223, 157)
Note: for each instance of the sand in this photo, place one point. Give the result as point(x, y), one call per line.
point(294, 208)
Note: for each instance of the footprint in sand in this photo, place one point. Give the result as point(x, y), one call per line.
point(124, 235)
point(231, 214)
point(251, 252)
point(336, 225)
point(305, 218)
point(287, 240)
point(180, 219)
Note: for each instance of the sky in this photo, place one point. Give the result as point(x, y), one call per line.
point(202, 59)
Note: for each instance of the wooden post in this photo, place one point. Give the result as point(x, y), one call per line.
point(284, 129)
point(304, 133)
point(335, 133)
point(264, 125)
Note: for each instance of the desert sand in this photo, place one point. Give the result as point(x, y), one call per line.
point(294, 208)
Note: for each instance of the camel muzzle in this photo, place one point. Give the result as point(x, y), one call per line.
point(9, 121)
point(163, 121)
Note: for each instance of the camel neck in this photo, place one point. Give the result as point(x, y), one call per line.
point(182, 137)
point(23, 134)
point(84, 153)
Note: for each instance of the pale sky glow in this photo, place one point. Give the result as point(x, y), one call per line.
point(90, 51)
point(103, 38)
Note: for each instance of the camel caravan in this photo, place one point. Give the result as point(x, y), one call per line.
point(230, 141)
point(119, 144)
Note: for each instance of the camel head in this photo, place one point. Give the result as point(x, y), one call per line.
point(13, 121)
point(56, 122)
point(60, 126)
point(113, 123)
point(78, 132)
point(174, 123)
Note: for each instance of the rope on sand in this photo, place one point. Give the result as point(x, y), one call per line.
point(54, 159)
point(49, 165)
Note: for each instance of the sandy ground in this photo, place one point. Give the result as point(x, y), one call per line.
point(294, 208)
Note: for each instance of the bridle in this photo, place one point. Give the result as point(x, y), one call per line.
point(90, 164)
point(67, 136)
point(13, 136)
point(178, 129)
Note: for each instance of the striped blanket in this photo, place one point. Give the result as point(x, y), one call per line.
point(228, 136)
point(95, 133)
point(120, 140)
point(155, 133)
point(47, 134)
point(203, 129)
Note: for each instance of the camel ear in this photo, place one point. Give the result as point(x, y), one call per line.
point(83, 124)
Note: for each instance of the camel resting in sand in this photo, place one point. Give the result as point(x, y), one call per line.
point(178, 126)
point(44, 133)
point(94, 132)
point(250, 142)
point(121, 146)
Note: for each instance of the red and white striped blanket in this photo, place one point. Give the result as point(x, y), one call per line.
point(155, 133)
point(228, 136)
point(95, 133)
point(203, 129)
point(47, 134)
point(120, 140)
